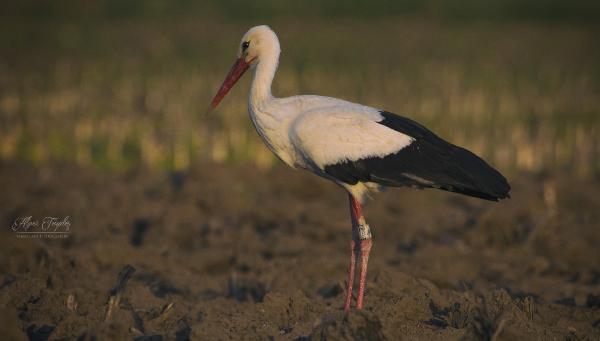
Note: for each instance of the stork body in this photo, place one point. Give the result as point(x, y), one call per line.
point(358, 147)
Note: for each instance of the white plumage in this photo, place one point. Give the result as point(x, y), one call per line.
point(330, 135)
point(310, 132)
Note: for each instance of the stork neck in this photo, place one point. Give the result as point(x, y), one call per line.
point(260, 91)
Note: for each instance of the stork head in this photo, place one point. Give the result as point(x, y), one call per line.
point(259, 43)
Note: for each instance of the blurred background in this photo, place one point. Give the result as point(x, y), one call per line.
point(102, 120)
point(120, 84)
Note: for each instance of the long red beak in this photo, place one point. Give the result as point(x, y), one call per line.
point(237, 70)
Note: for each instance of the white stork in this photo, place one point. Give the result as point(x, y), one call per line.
point(360, 148)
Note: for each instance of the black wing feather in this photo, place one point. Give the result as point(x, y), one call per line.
point(428, 162)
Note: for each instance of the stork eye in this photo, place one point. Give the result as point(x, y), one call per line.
point(245, 45)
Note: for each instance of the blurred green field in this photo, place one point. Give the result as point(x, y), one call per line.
point(122, 84)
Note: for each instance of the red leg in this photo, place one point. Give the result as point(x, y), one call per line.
point(351, 268)
point(365, 249)
point(361, 234)
point(350, 277)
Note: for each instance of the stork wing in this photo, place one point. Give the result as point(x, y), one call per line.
point(393, 151)
point(333, 135)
